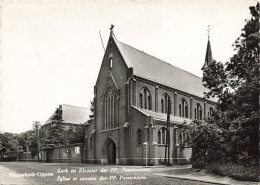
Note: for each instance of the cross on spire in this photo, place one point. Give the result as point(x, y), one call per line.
point(112, 26)
point(208, 30)
point(111, 30)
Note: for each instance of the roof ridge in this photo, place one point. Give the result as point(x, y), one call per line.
point(160, 59)
point(75, 106)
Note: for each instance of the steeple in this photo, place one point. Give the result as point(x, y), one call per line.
point(209, 57)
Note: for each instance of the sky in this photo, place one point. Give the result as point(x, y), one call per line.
point(51, 51)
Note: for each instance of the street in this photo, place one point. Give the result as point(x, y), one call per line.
point(54, 173)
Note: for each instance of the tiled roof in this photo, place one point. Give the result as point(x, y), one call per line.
point(163, 116)
point(73, 114)
point(149, 67)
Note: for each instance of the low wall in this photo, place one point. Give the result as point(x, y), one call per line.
point(73, 153)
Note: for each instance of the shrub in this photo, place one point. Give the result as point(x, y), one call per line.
point(238, 172)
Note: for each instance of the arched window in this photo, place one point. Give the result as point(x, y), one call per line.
point(145, 99)
point(186, 111)
point(199, 112)
point(109, 109)
point(195, 113)
point(183, 108)
point(162, 136)
point(211, 111)
point(139, 136)
point(141, 100)
point(110, 63)
point(184, 137)
point(164, 102)
point(149, 102)
point(159, 137)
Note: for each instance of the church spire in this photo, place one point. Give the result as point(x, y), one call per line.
point(209, 57)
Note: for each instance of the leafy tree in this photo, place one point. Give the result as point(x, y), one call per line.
point(76, 137)
point(10, 142)
point(236, 84)
point(79, 136)
point(1, 145)
point(30, 141)
point(91, 115)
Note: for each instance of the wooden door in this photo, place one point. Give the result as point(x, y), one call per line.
point(111, 153)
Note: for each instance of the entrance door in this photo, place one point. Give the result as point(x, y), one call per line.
point(111, 153)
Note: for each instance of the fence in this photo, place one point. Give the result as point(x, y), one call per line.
point(10, 156)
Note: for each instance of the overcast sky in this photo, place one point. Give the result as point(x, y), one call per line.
point(51, 52)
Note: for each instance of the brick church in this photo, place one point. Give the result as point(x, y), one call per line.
point(131, 101)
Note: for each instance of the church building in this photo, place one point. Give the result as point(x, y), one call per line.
point(133, 93)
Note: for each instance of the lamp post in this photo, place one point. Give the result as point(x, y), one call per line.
point(36, 127)
point(27, 149)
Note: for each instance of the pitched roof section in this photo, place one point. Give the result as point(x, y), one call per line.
point(73, 114)
point(163, 116)
point(208, 57)
point(149, 67)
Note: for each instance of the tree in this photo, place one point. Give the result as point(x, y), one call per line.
point(56, 135)
point(76, 137)
point(30, 141)
point(236, 85)
point(91, 115)
point(10, 142)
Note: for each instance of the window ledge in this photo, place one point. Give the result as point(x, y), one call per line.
point(117, 128)
point(185, 146)
point(161, 144)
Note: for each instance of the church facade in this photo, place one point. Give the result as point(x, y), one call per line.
point(133, 93)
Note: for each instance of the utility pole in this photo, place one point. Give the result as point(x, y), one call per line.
point(168, 130)
point(165, 153)
point(167, 144)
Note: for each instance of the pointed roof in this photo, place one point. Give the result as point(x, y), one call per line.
point(209, 57)
point(152, 68)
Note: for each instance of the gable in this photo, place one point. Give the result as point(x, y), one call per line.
point(119, 67)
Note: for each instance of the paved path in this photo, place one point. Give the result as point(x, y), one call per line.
point(6, 179)
point(190, 174)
